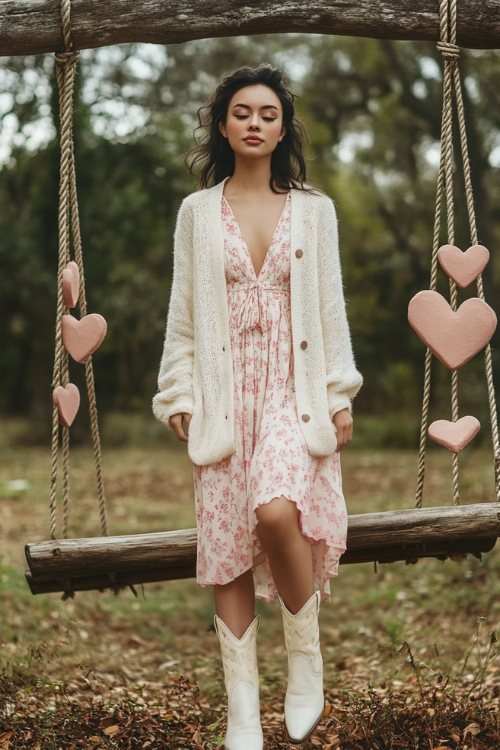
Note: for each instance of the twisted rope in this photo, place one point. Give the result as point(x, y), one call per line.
point(69, 227)
point(479, 283)
point(65, 72)
point(452, 88)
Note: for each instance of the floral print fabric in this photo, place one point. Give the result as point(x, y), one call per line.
point(271, 458)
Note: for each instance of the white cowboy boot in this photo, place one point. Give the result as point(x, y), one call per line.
point(239, 659)
point(304, 700)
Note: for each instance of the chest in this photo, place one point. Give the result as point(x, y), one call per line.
point(258, 224)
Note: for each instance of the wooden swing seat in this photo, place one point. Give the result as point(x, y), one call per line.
point(99, 563)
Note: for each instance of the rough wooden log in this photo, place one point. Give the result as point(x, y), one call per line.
point(28, 27)
point(409, 554)
point(107, 562)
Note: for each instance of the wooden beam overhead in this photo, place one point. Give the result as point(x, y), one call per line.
point(33, 26)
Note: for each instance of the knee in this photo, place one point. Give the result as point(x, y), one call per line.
point(277, 518)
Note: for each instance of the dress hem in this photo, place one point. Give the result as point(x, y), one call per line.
point(303, 512)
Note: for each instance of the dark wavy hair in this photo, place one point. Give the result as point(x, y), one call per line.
point(212, 159)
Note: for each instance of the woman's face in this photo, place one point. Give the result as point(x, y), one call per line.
point(254, 122)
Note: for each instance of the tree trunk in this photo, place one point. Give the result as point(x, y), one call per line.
point(28, 27)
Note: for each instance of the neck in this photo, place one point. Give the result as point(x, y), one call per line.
point(251, 176)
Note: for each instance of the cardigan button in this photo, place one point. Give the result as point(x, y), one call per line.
point(306, 417)
point(303, 345)
point(299, 253)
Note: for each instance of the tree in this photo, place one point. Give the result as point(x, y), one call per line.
point(382, 99)
point(372, 110)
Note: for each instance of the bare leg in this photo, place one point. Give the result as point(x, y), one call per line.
point(288, 551)
point(235, 603)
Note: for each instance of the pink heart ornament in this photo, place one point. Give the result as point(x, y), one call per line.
point(71, 284)
point(67, 400)
point(463, 268)
point(454, 435)
point(454, 337)
point(82, 337)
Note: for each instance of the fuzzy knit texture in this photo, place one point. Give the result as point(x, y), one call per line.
point(196, 375)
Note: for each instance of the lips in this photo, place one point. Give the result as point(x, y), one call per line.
point(253, 139)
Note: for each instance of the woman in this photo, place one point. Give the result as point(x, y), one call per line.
point(258, 362)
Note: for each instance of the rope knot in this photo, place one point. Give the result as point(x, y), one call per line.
point(448, 50)
point(68, 58)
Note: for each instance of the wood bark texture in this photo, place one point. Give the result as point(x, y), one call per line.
point(107, 562)
point(34, 26)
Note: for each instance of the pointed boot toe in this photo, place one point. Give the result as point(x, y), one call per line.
point(301, 722)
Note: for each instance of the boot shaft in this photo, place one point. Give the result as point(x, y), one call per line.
point(239, 661)
point(239, 655)
point(302, 630)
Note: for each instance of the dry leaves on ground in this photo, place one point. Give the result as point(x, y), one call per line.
point(176, 716)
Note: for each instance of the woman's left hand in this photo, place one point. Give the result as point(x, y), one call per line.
point(343, 424)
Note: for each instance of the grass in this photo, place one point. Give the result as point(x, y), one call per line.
point(60, 657)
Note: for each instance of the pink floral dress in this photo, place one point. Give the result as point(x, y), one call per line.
point(271, 458)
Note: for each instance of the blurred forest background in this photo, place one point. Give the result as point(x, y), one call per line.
point(372, 110)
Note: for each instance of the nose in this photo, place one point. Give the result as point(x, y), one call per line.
point(253, 122)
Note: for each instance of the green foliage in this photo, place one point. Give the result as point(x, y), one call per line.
point(372, 110)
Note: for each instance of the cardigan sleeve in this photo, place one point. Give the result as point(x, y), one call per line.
point(343, 379)
point(175, 379)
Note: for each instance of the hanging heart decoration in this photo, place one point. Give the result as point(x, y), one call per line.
point(82, 337)
point(454, 435)
point(454, 337)
point(67, 400)
point(71, 284)
point(463, 268)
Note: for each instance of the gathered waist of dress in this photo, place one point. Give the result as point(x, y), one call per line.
point(253, 312)
point(236, 286)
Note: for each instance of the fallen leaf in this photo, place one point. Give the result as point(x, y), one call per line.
point(112, 730)
point(472, 729)
point(107, 722)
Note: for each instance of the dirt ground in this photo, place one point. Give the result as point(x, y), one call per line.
point(410, 651)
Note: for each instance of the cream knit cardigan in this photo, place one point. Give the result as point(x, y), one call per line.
point(196, 371)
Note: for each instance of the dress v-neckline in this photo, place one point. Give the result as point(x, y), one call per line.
point(257, 275)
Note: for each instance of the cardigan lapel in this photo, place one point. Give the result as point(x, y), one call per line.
point(214, 224)
point(297, 240)
point(215, 258)
point(297, 223)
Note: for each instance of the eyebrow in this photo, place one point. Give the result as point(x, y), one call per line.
point(265, 106)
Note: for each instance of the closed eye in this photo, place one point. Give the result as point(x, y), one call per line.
point(267, 119)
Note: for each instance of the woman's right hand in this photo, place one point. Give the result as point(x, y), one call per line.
point(175, 422)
